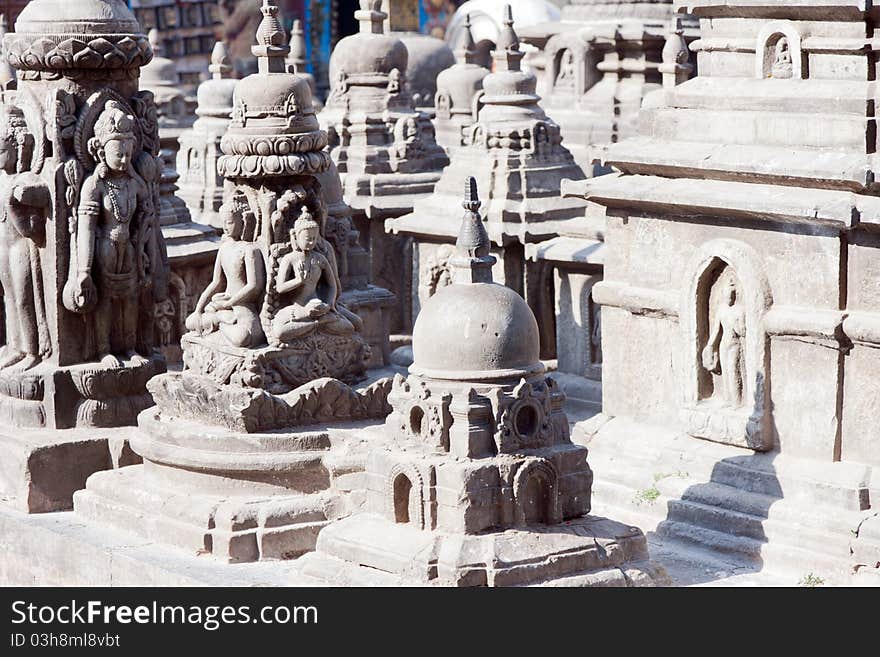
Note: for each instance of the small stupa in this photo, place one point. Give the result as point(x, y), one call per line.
point(479, 484)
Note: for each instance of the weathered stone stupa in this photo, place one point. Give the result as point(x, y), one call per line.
point(740, 310)
point(459, 93)
point(384, 149)
point(515, 152)
point(270, 347)
point(191, 245)
point(297, 62)
point(480, 484)
point(82, 259)
point(600, 61)
point(200, 185)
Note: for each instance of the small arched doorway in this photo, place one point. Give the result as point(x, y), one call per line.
point(535, 500)
point(402, 494)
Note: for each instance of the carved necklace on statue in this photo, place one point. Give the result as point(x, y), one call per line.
point(116, 195)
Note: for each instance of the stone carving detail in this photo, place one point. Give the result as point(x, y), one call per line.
point(83, 263)
point(271, 316)
point(723, 353)
point(24, 208)
point(116, 247)
point(435, 272)
point(251, 410)
point(782, 66)
point(566, 76)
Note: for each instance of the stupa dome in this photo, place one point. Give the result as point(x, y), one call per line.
point(215, 95)
point(475, 329)
point(161, 71)
point(370, 51)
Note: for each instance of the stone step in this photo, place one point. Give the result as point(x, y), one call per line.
point(804, 535)
point(742, 547)
point(814, 483)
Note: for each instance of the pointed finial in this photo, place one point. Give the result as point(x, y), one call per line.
point(466, 52)
point(156, 44)
point(371, 17)
point(297, 55)
point(270, 50)
point(472, 262)
point(507, 53)
point(221, 66)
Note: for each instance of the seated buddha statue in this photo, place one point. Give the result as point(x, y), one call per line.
point(307, 287)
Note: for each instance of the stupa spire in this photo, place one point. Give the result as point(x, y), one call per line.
point(221, 66)
point(472, 262)
point(466, 52)
point(371, 17)
point(270, 51)
point(507, 54)
point(297, 47)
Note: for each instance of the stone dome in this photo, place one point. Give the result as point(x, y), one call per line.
point(474, 329)
point(428, 57)
point(460, 83)
point(487, 17)
point(370, 51)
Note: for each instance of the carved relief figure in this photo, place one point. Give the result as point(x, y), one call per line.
point(308, 283)
point(111, 250)
point(565, 78)
point(723, 353)
point(240, 272)
point(782, 64)
point(24, 205)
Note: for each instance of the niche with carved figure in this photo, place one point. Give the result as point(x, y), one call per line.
point(721, 335)
point(778, 52)
point(726, 385)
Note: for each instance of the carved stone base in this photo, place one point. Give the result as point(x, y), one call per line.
point(89, 395)
point(589, 551)
point(41, 469)
point(198, 398)
point(278, 369)
point(240, 497)
point(738, 427)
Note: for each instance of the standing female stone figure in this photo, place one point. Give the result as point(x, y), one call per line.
point(110, 252)
point(24, 202)
point(723, 353)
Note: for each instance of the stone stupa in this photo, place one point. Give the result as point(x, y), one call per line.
point(384, 149)
point(459, 93)
point(515, 152)
point(480, 484)
point(240, 455)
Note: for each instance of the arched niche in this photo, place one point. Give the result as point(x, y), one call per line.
point(778, 52)
point(725, 345)
point(536, 493)
point(570, 66)
point(406, 495)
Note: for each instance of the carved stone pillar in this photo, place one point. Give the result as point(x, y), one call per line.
point(83, 262)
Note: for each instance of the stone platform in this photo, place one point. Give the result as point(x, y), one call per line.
point(588, 551)
point(777, 512)
point(41, 468)
point(238, 496)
